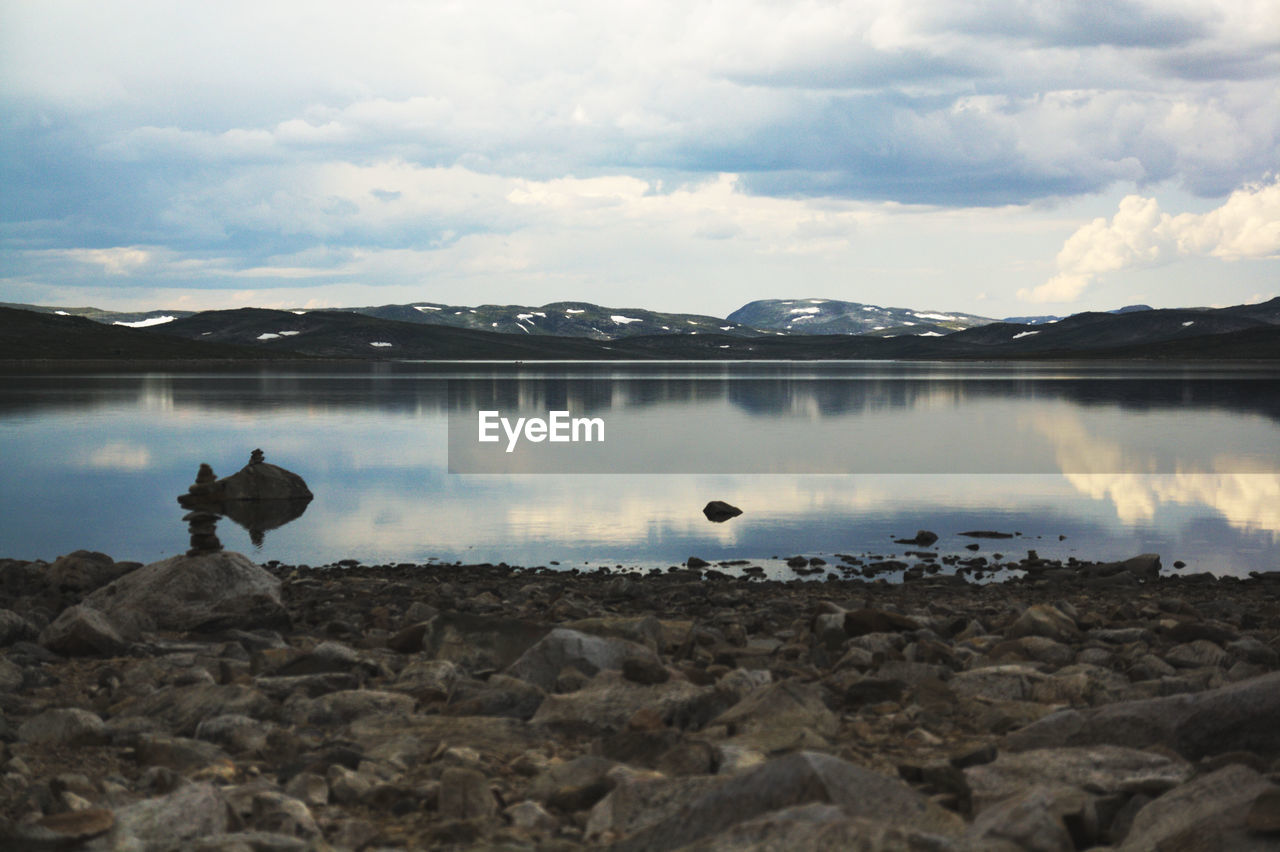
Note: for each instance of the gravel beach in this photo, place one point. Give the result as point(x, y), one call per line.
point(207, 702)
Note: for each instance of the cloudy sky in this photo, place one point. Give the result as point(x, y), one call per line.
point(995, 156)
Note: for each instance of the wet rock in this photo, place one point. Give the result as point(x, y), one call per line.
point(1238, 717)
point(1209, 813)
point(80, 631)
point(66, 726)
point(923, 538)
point(719, 511)
point(214, 591)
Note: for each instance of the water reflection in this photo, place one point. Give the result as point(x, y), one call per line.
point(1180, 462)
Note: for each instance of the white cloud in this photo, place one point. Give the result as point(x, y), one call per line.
point(1247, 225)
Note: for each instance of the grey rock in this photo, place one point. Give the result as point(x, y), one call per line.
point(163, 823)
point(347, 786)
point(541, 663)
point(796, 779)
point(11, 676)
point(178, 753)
point(282, 814)
point(427, 680)
point(80, 631)
point(1238, 717)
point(1250, 650)
point(15, 628)
point(182, 708)
point(1209, 813)
point(250, 841)
point(323, 658)
point(529, 816)
point(1031, 820)
point(780, 715)
point(211, 591)
point(84, 570)
point(1044, 620)
point(465, 794)
point(478, 641)
point(235, 732)
point(498, 696)
point(821, 828)
point(1099, 769)
point(309, 788)
point(253, 482)
point(608, 701)
point(1002, 683)
point(279, 688)
point(1200, 652)
point(65, 726)
point(340, 708)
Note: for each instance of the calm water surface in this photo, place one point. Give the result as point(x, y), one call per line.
point(822, 458)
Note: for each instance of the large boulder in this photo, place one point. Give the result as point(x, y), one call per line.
point(205, 592)
point(797, 779)
point(1209, 813)
point(1238, 717)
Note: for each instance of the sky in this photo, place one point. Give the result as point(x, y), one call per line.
point(1000, 157)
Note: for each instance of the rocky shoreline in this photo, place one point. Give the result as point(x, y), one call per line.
point(205, 702)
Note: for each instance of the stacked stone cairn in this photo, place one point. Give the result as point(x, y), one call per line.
point(200, 523)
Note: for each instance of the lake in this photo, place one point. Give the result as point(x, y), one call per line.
point(1097, 461)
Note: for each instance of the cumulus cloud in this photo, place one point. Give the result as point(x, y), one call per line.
point(244, 132)
point(1140, 235)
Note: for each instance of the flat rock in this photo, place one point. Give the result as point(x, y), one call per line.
point(206, 592)
point(821, 828)
point(1100, 769)
point(780, 715)
point(340, 708)
point(1044, 620)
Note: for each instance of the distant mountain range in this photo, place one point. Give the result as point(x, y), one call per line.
point(576, 330)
